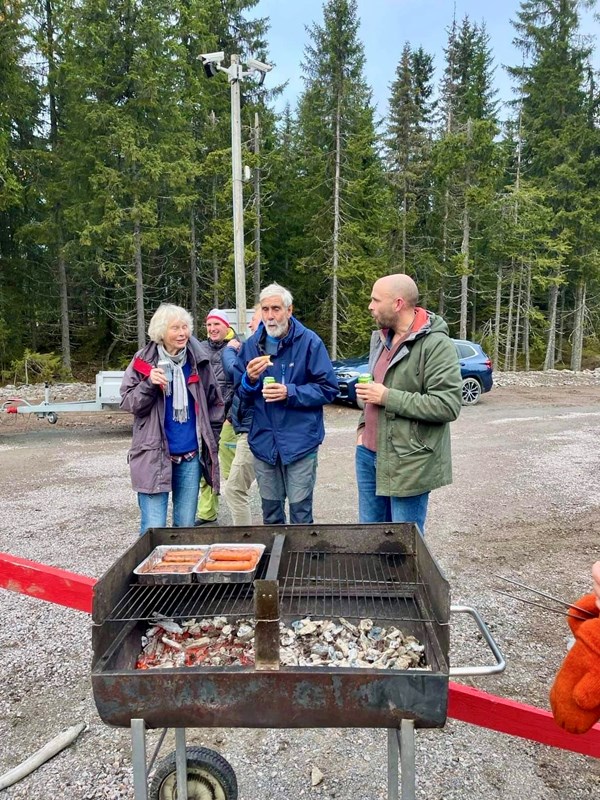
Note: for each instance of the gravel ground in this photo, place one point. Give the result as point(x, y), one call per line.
point(524, 503)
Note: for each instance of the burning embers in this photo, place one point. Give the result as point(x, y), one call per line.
point(216, 642)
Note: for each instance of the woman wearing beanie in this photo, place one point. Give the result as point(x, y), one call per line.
point(219, 334)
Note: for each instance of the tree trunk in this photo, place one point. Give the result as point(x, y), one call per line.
point(404, 219)
point(257, 223)
point(577, 350)
point(560, 328)
point(551, 340)
point(193, 269)
point(526, 312)
point(517, 323)
point(508, 342)
point(464, 247)
point(64, 307)
point(54, 135)
point(441, 294)
point(336, 231)
point(139, 283)
point(497, 315)
point(215, 258)
point(474, 308)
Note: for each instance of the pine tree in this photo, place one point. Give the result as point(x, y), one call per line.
point(343, 182)
point(559, 147)
point(465, 166)
point(20, 105)
point(408, 146)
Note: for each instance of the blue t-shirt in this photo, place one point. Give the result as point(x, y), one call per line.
point(271, 345)
point(181, 436)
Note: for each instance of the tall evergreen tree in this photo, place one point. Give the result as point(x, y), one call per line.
point(560, 144)
point(408, 146)
point(465, 165)
point(20, 105)
point(343, 182)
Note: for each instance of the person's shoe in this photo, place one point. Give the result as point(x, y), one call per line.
point(201, 521)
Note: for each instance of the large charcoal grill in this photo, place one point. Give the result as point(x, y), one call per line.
point(383, 572)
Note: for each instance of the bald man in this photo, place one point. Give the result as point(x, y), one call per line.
point(403, 441)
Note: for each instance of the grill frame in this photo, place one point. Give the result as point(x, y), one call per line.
point(297, 696)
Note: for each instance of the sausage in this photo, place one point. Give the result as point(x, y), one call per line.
point(229, 566)
point(183, 556)
point(233, 554)
point(166, 568)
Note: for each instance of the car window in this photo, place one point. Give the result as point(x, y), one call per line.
point(465, 350)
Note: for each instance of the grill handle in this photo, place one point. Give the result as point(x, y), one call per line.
point(499, 666)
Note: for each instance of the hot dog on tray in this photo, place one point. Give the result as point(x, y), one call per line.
point(233, 554)
point(229, 566)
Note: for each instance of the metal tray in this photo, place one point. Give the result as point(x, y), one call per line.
point(166, 576)
point(239, 576)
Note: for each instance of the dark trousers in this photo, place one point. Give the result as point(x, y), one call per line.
point(295, 482)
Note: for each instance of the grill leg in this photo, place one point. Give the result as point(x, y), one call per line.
point(138, 758)
point(401, 744)
point(407, 758)
point(181, 764)
point(393, 752)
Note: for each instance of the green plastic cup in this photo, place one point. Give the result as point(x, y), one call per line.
point(365, 378)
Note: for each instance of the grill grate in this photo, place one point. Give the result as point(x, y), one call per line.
point(349, 585)
point(318, 584)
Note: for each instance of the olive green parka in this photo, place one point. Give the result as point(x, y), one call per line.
point(413, 430)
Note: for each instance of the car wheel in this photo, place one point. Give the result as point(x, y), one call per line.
point(471, 391)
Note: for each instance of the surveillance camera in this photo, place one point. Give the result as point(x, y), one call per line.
point(213, 57)
point(260, 66)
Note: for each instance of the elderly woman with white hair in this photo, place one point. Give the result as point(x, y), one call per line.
point(172, 392)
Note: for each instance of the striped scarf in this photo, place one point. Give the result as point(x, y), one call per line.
point(180, 398)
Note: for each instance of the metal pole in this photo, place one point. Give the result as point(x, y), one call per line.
point(407, 758)
point(238, 197)
point(138, 758)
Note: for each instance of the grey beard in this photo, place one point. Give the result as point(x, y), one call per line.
point(279, 330)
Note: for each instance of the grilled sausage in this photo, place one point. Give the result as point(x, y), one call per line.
point(182, 556)
point(233, 554)
point(229, 566)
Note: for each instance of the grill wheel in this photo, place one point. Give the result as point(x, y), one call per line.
point(209, 777)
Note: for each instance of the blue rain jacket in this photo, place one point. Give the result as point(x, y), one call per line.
point(293, 428)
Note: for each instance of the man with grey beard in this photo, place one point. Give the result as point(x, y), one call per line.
point(285, 373)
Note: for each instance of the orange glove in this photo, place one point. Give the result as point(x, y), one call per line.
point(575, 695)
point(587, 603)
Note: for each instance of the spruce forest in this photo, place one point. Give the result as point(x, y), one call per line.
point(115, 180)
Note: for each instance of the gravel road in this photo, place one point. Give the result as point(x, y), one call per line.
point(524, 504)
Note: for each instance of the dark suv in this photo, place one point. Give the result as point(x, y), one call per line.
point(475, 368)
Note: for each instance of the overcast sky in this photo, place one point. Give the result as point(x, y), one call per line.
point(385, 26)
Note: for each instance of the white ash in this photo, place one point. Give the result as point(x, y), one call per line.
point(305, 643)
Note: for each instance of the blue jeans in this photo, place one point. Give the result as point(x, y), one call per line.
point(377, 508)
point(295, 481)
point(185, 483)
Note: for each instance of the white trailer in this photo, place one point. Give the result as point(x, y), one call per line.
point(107, 398)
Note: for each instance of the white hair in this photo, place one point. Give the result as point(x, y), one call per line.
point(164, 315)
point(274, 289)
